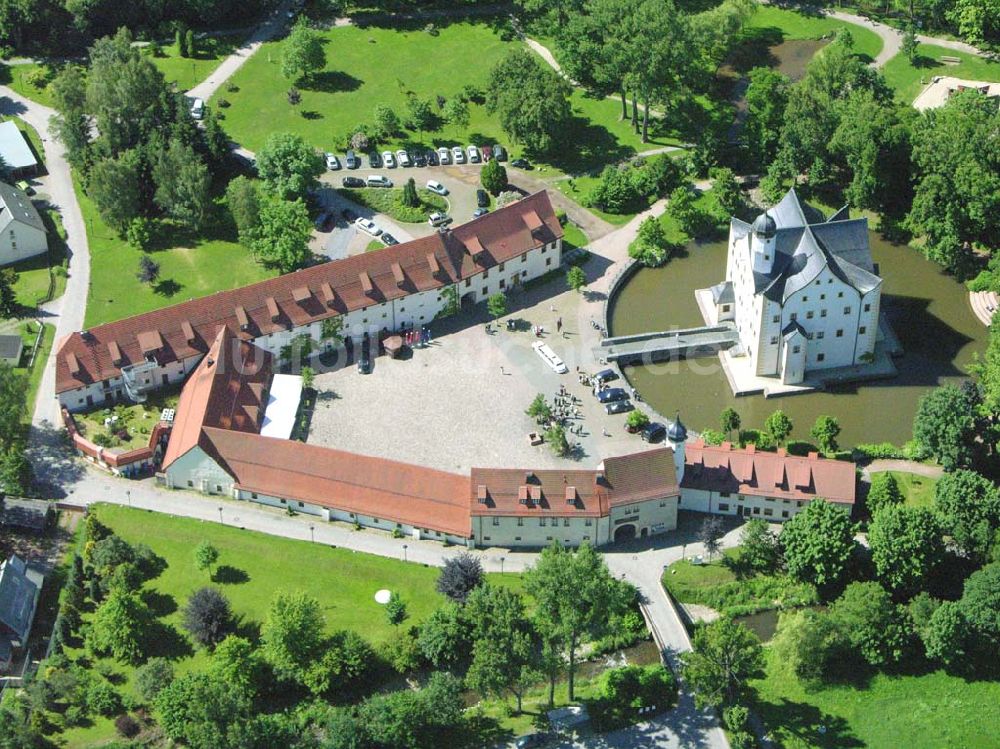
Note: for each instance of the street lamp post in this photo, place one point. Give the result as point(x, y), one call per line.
point(501, 565)
point(312, 535)
point(128, 496)
point(404, 552)
point(220, 514)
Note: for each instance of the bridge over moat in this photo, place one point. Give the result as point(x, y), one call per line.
point(670, 344)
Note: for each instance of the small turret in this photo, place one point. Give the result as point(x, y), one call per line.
point(762, 243)
point(676, 437)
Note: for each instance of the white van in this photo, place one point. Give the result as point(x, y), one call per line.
point(378, 180)
point(436, 187)
point(198, 108)
point(438, 219)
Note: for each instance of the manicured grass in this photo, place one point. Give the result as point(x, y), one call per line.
point(389, 202)
point(186, 72)
point(927, 711)
point(573, 236)
point(16, 76)
point(578, 188)
point(43, 277)
point(790, 24)
point(190, 266)
point(374, 245)
point(35, 373)
point(918, 490)
point(140, 420)
point(370, 66)
point(909, 79)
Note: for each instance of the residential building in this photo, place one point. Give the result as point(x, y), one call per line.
point(16, 152)
point(398, 287)
point(20, 587)
point(802, 291)
point(24, 514)
point(11, 347)
point(22, 233)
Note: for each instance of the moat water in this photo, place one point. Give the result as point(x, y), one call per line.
point(928, 309)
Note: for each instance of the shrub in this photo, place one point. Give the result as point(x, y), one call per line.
point(127, 726)
point(155, 675)
point(761, 439)
point(623, 691)
point(207, 616)
point(101, 698)
point(460, 576)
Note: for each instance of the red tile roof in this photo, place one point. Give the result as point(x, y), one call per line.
point(641, 476)
point(723, 468)
point(187, 329)
point(385, 489)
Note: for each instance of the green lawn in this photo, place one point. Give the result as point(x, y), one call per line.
point(577, 189)
point(918, 490)
point(43, 277)
point(378, 66)
point(190, 266)
point(928, 711)
point(909, 79)
point(139, 420)
point(35, 373)
point(186, 72)
point(790, 24)
point(16, 76)
point(573, 236)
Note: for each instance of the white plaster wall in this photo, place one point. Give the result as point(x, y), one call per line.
point(19, 241)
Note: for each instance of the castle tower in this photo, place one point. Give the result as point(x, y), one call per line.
point(762, 243)
point(676, 437)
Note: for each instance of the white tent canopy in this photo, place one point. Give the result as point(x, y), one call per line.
point(282, 405)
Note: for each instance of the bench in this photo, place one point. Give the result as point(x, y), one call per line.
point(950, 60)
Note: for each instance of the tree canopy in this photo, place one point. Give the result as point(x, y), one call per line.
point(817, 543)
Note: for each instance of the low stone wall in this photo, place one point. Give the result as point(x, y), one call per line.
point(130, 463)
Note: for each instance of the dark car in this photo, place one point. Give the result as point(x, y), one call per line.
point(388, 239)
point(618, 407)
point(324, 222)
point(352, 161)
point(521, 163)
point(432, 158)
point(419, 158)
point(653, 432)
point(487, 153)
point(348, 215)
point(374, 160)
point(482, 199)
point(612, 394)
point(499, 153)
point(532, 740)
point(480, 212)
point(353, 182)
point(606, 375)
point(364, 364)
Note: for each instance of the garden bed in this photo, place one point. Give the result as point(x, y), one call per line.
point(389, 202)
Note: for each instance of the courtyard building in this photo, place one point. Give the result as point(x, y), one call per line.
point(15, 151)
point(22, 233)
point(20, 587)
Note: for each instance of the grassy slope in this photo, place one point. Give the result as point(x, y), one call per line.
point(198, 266)
point(188, 71)
point(14, 76)
point(35, 373)
point(908, 79)
point(794, 25)
point(377, 66)
point(918, 490)
point(918, 712)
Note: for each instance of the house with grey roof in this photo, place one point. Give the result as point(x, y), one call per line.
point(20, 587)
point(22, 233)
point(11, 347)
point(16, 152)
point(802, 290)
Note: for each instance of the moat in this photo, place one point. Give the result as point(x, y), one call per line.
point(928, 310)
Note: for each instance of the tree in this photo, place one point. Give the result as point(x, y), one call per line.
point(825, 432)
point(767, 97)
point(636, 420)
point(910, 44)
point(182, 183)
point(16, 472)
point(724, 658)
point(779, 426)
point(759, 547)
point(456, 112)
point(726, 191)
point(906, 545)
point(243, 200)
point(884, 492)
point(332, 329)
point(494, 177)
point(981, 602)
point(419, 115)
point(710, 534)
point(149, 269)
point(946, 636)
point(208, 616)
point(410, 197)
point(308, 377)
point(576, 279)
point(496, 304)
point(138, 235)
point(281, 239)
point(201, 710)
point(292, 634)
point(114, 185)
point(205, 557)
point(302, 54)
point(445, 637)
point(237, 662)
point(729, 421)
point(817, 543)
point(574, 596)
point(555, 435)
point(395, 609)
point(874, 627)
point(810, 643)
point(945, 427)
point(460, 575)
point(153, 677)
point(530, 100)
point(969, 506)
point(289, 165)
point(8, 292)
point(386, 121)
point(119, 626)
point(650, 246)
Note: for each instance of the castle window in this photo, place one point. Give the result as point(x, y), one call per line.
point(496, 521)
point(796, 349)
point(776, 319)
point(541, 522)
point(794, 316)
point(565, 522)
point(820, 357)
point(868, 308)
point(840, 295)
point(588, 522)
point(774, 340)
point(847, 310)
point(820, 335)
point(809, 315)
point(520, 522)
point(723, 507)
point(861, 330)
point(840, 333)
point(805, 298)
point(822, 313)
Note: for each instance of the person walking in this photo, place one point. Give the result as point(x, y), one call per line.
point(558, 324)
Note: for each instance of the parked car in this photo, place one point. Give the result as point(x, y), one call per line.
point(473, 154)
point(364, 363)
point(606, 375)
point(532, 741)
point(499, 153)
point(419, 159)
point(653, 432)
point(436, 187)
point(444, 155)
point(487, 153)
point(389, 239)
point(351, 161)
point(378, 180)
point(618, 407)
point(521, 163)
point(348, 215)
point(432, 158)
point(458, 155)
point(374, 160)
point(352, 182)
point(402, 157)
point(612, 394)
point(388, 159)
point(332, 162)
point(438, 219)
point(367, 226)
point(482, 198)
point(480, 212)
point(198, 108)
point(25, 187)
point(324, 222)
